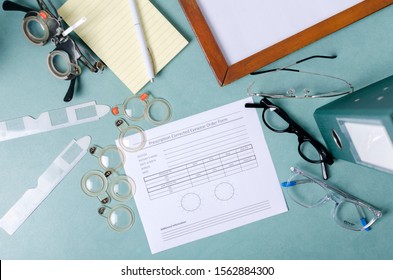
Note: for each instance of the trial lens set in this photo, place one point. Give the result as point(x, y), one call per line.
point(40, 27)
point(107, 185)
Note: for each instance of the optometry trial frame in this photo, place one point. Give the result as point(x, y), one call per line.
point(46, 25)
point(290, 126)
point(291, 92)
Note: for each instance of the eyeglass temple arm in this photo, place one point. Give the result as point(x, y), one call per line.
point(324, 171)
point(316, 56)
point(253, 105)
point(70, 92)
point(289, 184)
point(297, 62)
point(12, 6)
point(266, 104)
point(362, 216)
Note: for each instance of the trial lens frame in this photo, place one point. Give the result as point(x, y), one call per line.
point(303, 137)
point(65, 47)
point(291, 94)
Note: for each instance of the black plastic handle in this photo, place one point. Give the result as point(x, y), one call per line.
point(70, 92)
point(12, 6)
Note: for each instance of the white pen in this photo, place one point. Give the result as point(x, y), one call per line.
point(142, 40)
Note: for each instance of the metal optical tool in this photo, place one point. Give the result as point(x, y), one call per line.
point(46, 25)
point(53, 175)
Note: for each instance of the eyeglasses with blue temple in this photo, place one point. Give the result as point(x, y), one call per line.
point(349, 212)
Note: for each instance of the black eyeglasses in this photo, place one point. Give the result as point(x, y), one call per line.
point(277, 120)
point(46, 25)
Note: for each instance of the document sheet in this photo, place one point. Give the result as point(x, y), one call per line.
point(110, 33)
point(204, 175)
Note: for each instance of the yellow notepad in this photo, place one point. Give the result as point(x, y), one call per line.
point(110, 33)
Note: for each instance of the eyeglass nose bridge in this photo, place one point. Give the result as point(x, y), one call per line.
point(330, 196)
point(300, 136)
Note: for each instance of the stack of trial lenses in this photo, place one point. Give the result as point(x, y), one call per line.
point(107, 187)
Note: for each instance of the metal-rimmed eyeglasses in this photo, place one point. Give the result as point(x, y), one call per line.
point(277, 120)
point(350, 212)
point(278, 78)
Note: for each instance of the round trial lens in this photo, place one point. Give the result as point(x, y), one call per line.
point(120, 218)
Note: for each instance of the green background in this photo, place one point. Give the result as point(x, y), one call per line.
point(66, 225)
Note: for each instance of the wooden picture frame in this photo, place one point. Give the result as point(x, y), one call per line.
point(226, 73)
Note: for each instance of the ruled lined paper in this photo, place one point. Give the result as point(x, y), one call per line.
point(110, 33)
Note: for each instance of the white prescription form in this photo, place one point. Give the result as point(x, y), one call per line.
point(204, 175)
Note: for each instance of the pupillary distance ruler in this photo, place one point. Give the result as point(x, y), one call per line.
point(54, 119)
point(52, 176)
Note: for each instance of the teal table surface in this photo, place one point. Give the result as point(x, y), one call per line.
point(67, 226)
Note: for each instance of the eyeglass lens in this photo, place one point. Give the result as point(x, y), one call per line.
point(61, 64)
point(36, 29)
point(134, 108)
point(94, 184)
point(309, 152)
point(274, 121)
point(309, 194)
point(278, 121)
point(122, 188)
point(121, 218)
point(289, 82)
point(286, 83)
point(111, 158)
point(132, 139)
